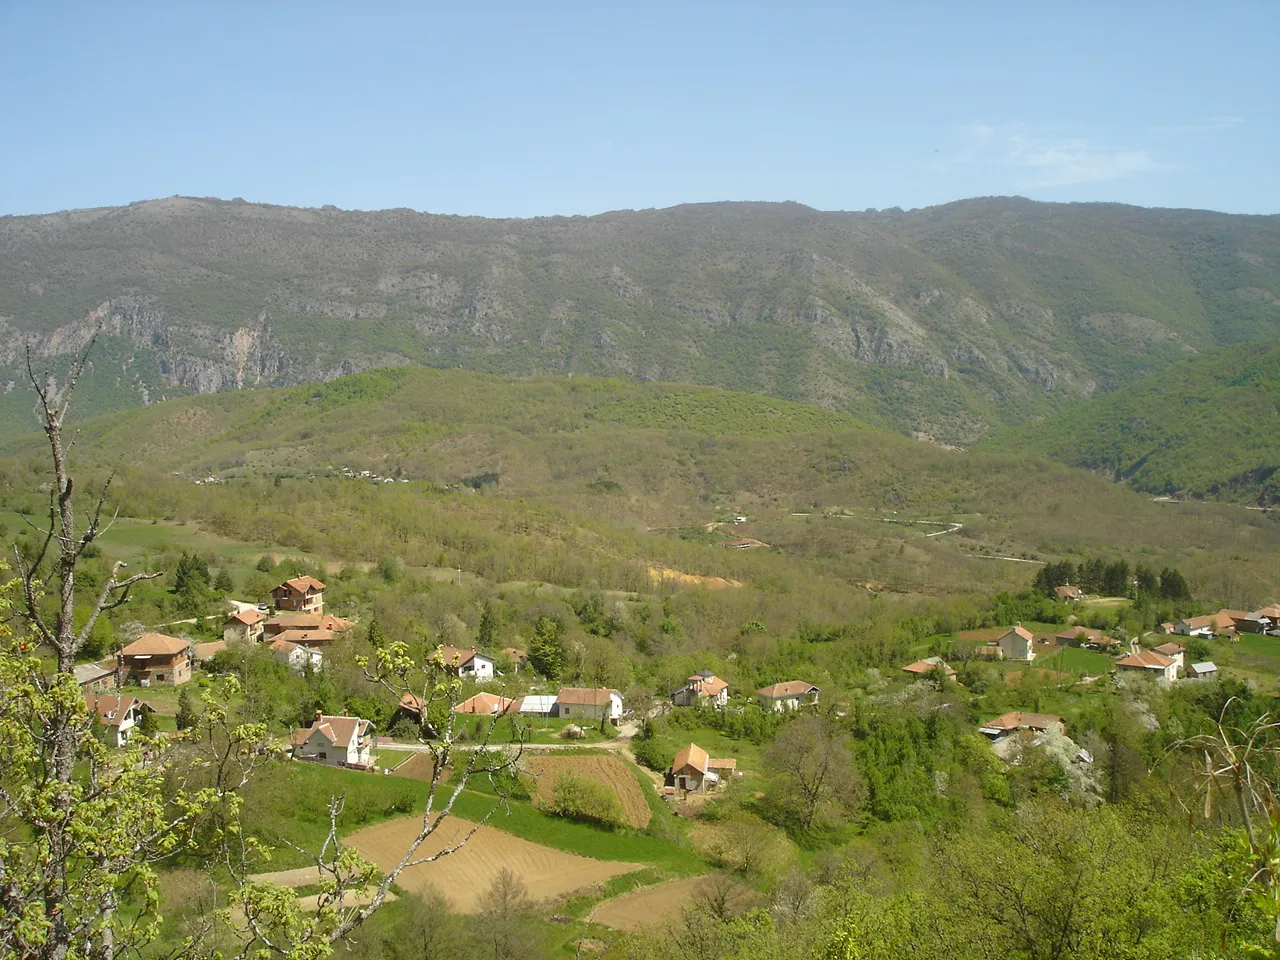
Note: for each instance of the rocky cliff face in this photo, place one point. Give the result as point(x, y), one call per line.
point(945, 322)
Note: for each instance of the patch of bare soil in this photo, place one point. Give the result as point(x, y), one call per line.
point(464, 876)
point(660, 906)
point(667, 575)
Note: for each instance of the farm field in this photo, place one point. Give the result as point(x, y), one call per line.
point(463, 877)
point(662, 904)
point(612, 771)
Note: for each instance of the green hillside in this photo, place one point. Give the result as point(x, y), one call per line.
point(947, 322)
point(1208, 427)
point(493, 461)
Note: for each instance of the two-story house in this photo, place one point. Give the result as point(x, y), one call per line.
point(156, 659)
point(301, 595)
point(703, 687)
point(244, 626)
point(335, 741)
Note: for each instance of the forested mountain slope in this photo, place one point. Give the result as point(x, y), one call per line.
point(947, 321)
point(1207, 427)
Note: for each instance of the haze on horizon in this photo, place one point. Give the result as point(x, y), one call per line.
point(508, 111)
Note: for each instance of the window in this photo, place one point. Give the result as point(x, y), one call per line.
point(160, 677)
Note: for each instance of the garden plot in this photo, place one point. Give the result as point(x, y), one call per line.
point(463, 877)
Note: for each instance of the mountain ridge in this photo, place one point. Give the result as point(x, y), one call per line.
point(945, 322)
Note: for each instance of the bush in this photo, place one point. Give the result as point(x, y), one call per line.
point(578, 798)
point(654, 753)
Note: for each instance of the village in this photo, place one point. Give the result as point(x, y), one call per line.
point(299, 633)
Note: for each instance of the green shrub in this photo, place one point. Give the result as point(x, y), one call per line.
point(578, 798)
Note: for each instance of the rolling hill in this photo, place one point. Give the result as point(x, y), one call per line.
point(945, 322)
point(586, 471)
point(1208, 427)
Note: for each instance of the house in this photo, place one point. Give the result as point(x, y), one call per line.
point(589, 703)
point(304, 621)
point(204, 652)
point(245, 626)
point(1085, 637)
point(308, 638)
point(788, 695)
point(1166, 628)
point(301, 595)
point(1067, 593)
point(740, 544)
point(703, 687)
point(519, 658)
point(156, 659)
point(1220, 624)
point(95, 677)
point(538, 705)
point(1207, 670)
point(335, 741)
point(1010, 723)
point(1017, 644)
point(488, 705)
point(1173, 651)
point(929, 664)
point(695, 772)
point(1257, 622)
point(468, 663)
point(296, 656)
point(1156, 664)
point(120, 715)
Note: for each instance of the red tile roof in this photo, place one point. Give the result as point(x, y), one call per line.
point(155, 644)
point(786, 690)
point(1021, 720)
point(1169, 649)
point(1145, 660)
point(302, 584)
point(706, 686)
point(692, 756)
point(487, 704)
point(584, 696)
point(929, 664)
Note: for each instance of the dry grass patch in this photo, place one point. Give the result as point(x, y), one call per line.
point(602, 768)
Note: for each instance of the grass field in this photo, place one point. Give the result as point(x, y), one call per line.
point(1077, 661)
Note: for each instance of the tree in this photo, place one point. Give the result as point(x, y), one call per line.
point(812, 777)
point(487, 631)
point(546, 653)
point(1173, 585)
point(186, 717)
point(85, 827)
point(223, 584)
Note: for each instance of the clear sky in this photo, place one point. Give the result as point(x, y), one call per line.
point(532, 108)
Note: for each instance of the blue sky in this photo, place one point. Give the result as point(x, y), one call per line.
point(527, 109)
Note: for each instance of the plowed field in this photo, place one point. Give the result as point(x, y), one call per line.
point(463, 877)
point(602, 768)
point(661, 905)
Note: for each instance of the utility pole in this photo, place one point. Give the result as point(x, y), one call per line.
point(459, 576)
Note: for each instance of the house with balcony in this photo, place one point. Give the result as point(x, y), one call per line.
point(300, 595)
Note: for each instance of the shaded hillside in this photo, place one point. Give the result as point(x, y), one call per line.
point(1208, 427)
point(946, 321)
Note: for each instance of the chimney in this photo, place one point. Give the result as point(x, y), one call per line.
point(319, 716)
